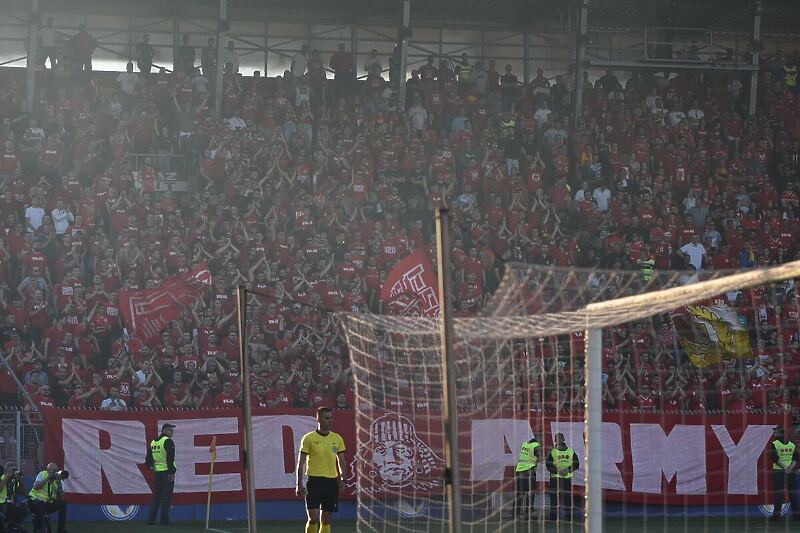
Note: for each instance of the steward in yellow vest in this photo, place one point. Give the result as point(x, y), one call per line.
point(47, 497)
point(647, 265)
point(790, 76)
point(11, 515)
point(785, 461)
point(562, 462)
point(161, 459)
point(529, 456)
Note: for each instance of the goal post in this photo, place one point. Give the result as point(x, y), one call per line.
point(535, 364)
point(452, 470)
point(594, 426)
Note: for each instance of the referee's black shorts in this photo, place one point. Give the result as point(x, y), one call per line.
point(322, 493)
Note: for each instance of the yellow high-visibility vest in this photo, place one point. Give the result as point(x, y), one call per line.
point(562, 459)
point(527, 456)
point(159, 454)
point(790, 75)
point(785, 454)
point(47, 492)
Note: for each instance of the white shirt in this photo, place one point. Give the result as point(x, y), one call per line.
point(35, 216)
point(299, 64)
point(230, 56)
point(200, 84)
point(541, 116)
point(602, 197)
point(61, 219)
point(695, 253)
point(110, 404)
point(418, 117)
point(128, 82)
point(696, 115)
point(236, 123)
point(372, 62)
point(675, 118)
point(47, 37)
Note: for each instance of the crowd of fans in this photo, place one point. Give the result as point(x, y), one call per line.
point(315, 183)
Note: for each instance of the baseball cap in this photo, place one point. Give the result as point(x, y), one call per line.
point(167, 426)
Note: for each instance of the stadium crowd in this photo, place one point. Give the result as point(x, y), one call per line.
point(312, 187)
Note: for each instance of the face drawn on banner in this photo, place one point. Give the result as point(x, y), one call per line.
point(395, 458)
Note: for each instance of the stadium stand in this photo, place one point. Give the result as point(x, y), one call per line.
point(311, 188)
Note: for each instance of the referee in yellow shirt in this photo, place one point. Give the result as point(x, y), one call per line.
point(322, 459)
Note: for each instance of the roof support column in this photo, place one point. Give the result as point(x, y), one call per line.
point(266, 49)
point(405, 34)
point(756, 48)
point(526, 57)
point(354, 47)
point(219, 83)
point(580, 57)
point(176, 41)
point(33, 45)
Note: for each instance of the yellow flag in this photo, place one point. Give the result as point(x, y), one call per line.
point(715, 334)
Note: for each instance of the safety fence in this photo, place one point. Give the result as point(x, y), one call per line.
point(21, 439)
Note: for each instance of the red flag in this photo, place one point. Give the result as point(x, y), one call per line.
point(411, 287)
point(147, 313)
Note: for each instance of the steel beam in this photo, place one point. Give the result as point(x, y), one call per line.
point(33, 45)
point(580, 57)
point(758, 8)
point(405, 34)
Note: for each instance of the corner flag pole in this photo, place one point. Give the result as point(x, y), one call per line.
point(452, 473)
point(213, 451)
point(250, 477)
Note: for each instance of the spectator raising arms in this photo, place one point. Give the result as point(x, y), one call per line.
point(309, 191)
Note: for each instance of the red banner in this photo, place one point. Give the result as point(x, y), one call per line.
point(668, 459)
point(147, 313)
point(104, 452)
point(411, 287)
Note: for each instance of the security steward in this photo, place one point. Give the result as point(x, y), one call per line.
point(11, 515)
point(785, 461)
point(790, 76)
point(47, 497)
point(161, 459)
point(529, 456)
point(321, 457)
point(562, 462)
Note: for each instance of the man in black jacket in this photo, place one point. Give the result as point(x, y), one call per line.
point(161, 459)
point(562, 462)
point(785, 458)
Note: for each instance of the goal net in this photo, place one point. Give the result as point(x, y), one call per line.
point(688, 375)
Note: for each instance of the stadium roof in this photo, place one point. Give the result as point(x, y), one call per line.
point(780, 16)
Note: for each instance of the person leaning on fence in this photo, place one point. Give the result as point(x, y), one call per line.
point(47, 497)
point(11, 514)
point(562, 462)
point(785, 461)
point(525, 473)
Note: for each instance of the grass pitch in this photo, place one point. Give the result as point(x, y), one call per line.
point(612, 525)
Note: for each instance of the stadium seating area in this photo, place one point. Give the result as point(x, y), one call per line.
point(311, 188)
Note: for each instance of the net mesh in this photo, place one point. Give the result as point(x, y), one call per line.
point(684, 356)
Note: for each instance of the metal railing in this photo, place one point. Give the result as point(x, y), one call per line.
point(163, 162)
point(22, 439)
point(664, 43)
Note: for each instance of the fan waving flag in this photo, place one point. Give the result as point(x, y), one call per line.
point(148, 312)
point(710, 333)
point(411, 288)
